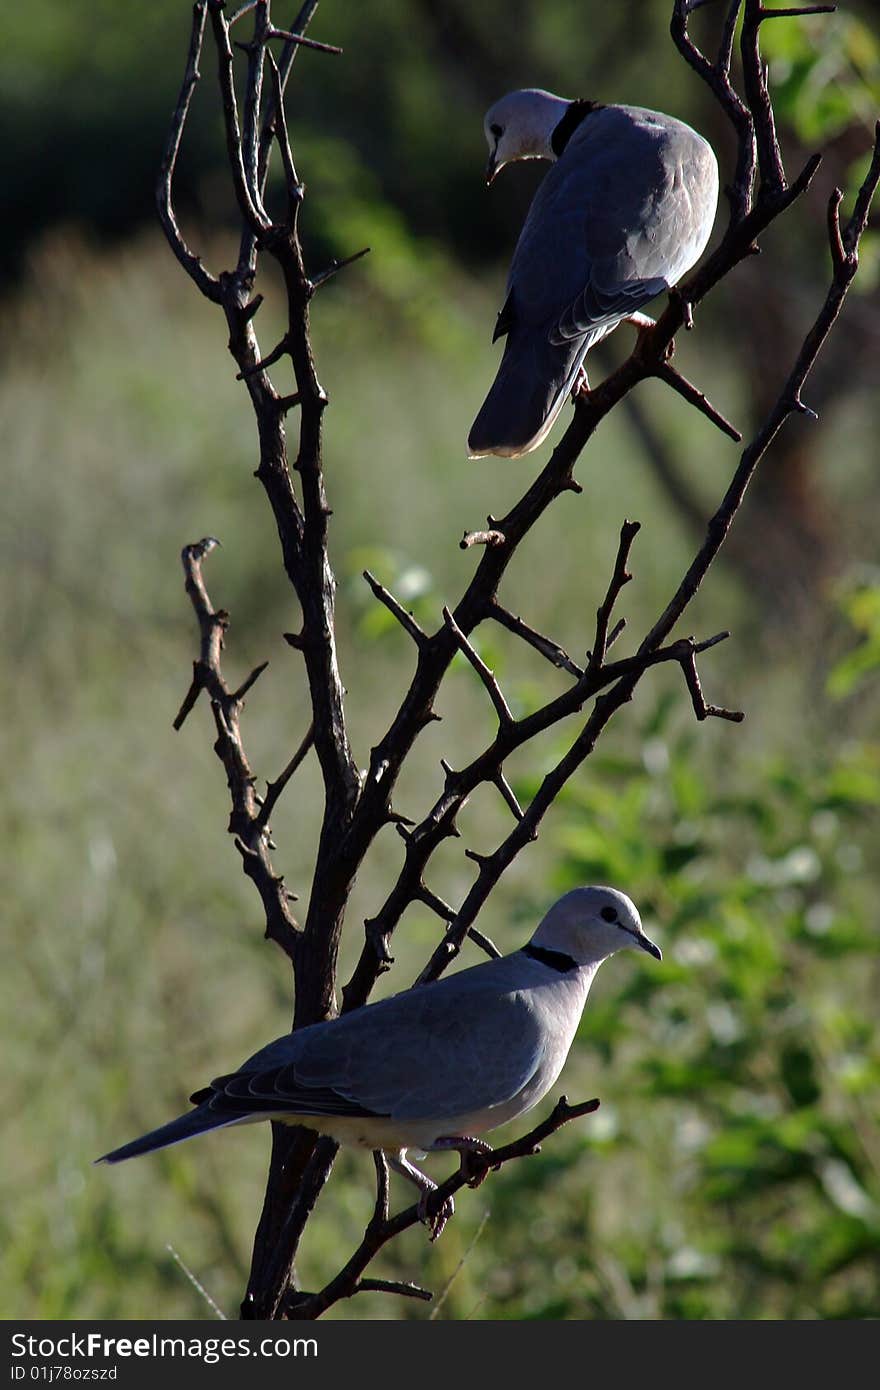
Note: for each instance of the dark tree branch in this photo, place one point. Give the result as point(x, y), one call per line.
point(380, 1231)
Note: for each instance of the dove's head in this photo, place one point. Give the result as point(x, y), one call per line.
point(521, 126)
point(590, 924)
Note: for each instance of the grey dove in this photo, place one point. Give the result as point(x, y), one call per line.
point(436, 1066)
point(625, 211)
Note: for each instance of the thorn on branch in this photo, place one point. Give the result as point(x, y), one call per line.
point(274, 789)
point(250, 309)
point(404, 1289)
point(296, 640)
point(710, 642)
point(696, 398)
point(484, 942)
point(477, 857)
point(549, 649)
point(251, 680)
point(508, 793)
point(189, 698)
point(615, 633)
point(301, 41)
point(285, 403)
point(800, 408)
point(505, 718)
point(406, 619)
point(334, 268)
point(269, 361)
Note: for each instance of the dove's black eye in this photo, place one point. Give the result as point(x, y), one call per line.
point(609, 914)
point(497, 131)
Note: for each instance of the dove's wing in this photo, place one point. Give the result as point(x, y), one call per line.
point(461, 1045)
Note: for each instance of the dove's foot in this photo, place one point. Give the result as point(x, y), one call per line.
point(644, 324)
point(581, 388)
point(434, 1214)
point(472, 1151)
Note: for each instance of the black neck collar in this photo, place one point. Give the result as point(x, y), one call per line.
point(576, 112)
point(557, 960)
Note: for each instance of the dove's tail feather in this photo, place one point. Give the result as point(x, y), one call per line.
point(535, 377)
point(194, 1122)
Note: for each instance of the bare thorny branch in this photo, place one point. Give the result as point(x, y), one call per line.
point(356, 808)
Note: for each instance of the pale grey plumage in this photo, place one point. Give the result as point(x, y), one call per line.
point(438, 1063)
point(625, 211)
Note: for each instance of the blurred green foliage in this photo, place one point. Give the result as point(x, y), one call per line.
point(734, 1167)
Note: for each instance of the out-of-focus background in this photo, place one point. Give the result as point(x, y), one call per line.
point(734, 1167)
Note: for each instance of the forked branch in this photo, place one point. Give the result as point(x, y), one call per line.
point(358, 807)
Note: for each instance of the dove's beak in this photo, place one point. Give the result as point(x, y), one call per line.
point(492, 167)
point(648, 945)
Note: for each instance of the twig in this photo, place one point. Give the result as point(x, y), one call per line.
point(291, 179)
point(620, 576)
point(689, 392)
point(406, 620)
point(701, 709)
point(335, 266)
point(255, 368)
point(447, 914)
point(551, 650)
point(249, 201)
point(404, 1289)
point(192, 264)
point(274, 789)
point(302, 41)
point(508, 793)
point(502, 709)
